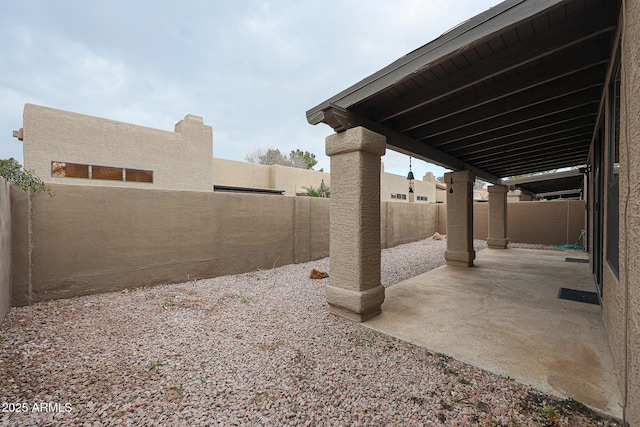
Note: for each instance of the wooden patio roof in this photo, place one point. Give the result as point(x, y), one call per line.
point(514, 90)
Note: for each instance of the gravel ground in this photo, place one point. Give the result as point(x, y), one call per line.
point(252, 349)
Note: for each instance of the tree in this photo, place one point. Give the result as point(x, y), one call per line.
point(296, 159)
point(13, 172)
point(305, 160)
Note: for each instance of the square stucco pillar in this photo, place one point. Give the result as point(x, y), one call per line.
point(460, 218)
point(497, 238)
point(354, 291)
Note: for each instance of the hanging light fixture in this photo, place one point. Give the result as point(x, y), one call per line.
point(410, 177)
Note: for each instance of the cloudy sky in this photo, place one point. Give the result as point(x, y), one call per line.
point(250, 68)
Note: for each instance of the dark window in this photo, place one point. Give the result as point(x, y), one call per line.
point(138, 175)
point(69, 170)
point(613, 144)
point(106, 172)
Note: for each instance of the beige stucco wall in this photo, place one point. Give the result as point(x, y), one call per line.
point(179, 160)
point(392, 183)
point(277, 177)
point(90, 239)
point(556, 222)
point(241, 174)
point(406, 222)
point(293, 180)
point(5, 248)
point(622, 298)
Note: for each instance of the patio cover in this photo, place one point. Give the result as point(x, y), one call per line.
point(559, 184)
point(514, 90)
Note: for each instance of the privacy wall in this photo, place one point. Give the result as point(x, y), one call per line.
point(91, 239)
point(5, 249)
point(97, 239)
point(557, 222)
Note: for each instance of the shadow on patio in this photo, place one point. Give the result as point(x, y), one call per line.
point(503, 315)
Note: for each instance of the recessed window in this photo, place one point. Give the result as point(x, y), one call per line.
point(138, 175)
point(76, 170)
point(69, 170)
point(106, 172)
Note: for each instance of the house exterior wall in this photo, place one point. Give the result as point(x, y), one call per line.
point(398, 184)
point(241, 174)
point(293, 180)
point(621, 299)
point(5, 248)
point(179, 160)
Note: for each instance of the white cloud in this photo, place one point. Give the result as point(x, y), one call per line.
point(250, 68)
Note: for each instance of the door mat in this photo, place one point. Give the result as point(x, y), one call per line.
point(579, 296)
point(582, 260)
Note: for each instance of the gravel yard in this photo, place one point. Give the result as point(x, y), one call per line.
point(252, 349)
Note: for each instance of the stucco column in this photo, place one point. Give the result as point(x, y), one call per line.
point(497, 238)
point(460, 218)
point(354, 290)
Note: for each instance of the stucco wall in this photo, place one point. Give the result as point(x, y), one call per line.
point(5, 248)
point(550, 223)
point(406, 222)
point(179, 160)
point(97, 239)
point(622, 298)
point(241, 174)
point(91, 239)
point(293, 180)
point(392, 183)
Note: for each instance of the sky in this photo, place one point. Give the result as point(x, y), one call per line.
point(250, 68)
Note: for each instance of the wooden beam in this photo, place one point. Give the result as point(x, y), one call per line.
point(479, 143)
point(499, 18)
point(402, 143)
point(533, 49)
point(490, 133)
point(485, 100)
point(494, 116)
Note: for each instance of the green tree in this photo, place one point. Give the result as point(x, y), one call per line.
point(272, 156)
point(304, 160)
point(13, 172)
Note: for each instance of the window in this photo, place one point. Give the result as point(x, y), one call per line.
point(69, 170)
point(423, 198)
point(76, 170)
point(106, 172)
point(138, 175)
point(613, 159)
point(398, 196)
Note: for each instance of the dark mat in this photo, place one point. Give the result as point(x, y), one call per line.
point(580, 296)
point(581, 260)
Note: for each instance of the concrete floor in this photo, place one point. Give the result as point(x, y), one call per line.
point(503, 315)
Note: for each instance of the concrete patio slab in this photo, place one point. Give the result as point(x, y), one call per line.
point(503, 315)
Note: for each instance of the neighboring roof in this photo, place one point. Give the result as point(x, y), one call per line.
point(512, 91)
point(568, 183)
